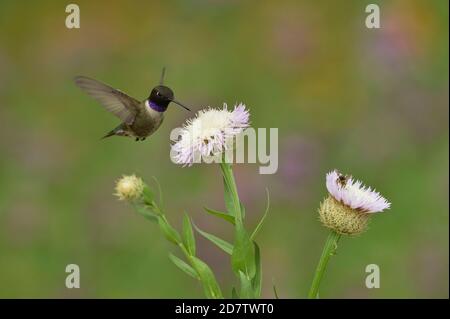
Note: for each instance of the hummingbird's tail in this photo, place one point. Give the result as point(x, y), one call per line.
point(117, 131)
point(111, 133)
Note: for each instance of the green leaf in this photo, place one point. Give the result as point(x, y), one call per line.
point(229, 218)
point(184, 266)
point(234, 294)
point(222, 244)
point(188, 235)
point(242, 209)
point(246, 286)
point(228, 197)
point(230, 192)
point(149, 197)
point(275, 290)
point(258, 227)
point(243, 257)
point(161, 202)
point(256, 281)
point(169, 232)
point(210, 285)
point(145, 211)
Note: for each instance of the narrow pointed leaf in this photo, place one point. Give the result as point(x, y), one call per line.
point(188, 235)
point(242, 209)
point(169, 232)
point(161, 200)
point(234, 294)
point(229, 218)
point(256, 281)
point(246, 286)
point(149, 197)
point(258, 227)
point(184, 266)
point(222, 244)
point(145, 211)
point(228, 197)
point(230, 191)
point(243, 257)
point(210, 285)
point(275, 290)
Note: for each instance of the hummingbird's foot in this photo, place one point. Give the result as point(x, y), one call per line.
point(143, 139)
point(137, 139)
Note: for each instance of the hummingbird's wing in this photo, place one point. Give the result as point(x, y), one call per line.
point(115, 101)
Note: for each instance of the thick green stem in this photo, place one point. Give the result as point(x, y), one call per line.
point(328, 251)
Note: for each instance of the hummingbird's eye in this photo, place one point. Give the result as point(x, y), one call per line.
point(158, 94)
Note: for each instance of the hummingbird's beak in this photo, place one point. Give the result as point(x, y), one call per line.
point(180, 104)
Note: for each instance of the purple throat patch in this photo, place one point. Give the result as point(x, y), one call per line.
point(156, 107)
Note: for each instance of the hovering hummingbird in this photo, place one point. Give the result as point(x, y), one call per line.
point(139, 119)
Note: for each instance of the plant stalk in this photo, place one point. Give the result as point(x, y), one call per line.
point(328, 250)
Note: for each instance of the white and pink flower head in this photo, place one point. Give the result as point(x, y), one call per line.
point(354, 194)
point(209, 133)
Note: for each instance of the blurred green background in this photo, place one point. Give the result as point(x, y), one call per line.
point(370, 102)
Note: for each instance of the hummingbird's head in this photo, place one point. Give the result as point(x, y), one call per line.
point(161, 96)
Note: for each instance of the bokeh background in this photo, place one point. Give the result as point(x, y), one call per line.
point(373, 103)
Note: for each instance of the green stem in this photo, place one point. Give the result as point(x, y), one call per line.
point(243, 246)
point(229, 177)
point(328, 251)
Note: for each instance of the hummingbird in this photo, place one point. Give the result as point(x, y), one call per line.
point(140, 119)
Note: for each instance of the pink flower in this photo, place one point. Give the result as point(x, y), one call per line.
point(354, 194)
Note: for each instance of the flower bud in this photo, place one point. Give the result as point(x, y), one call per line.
point(129, 188)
